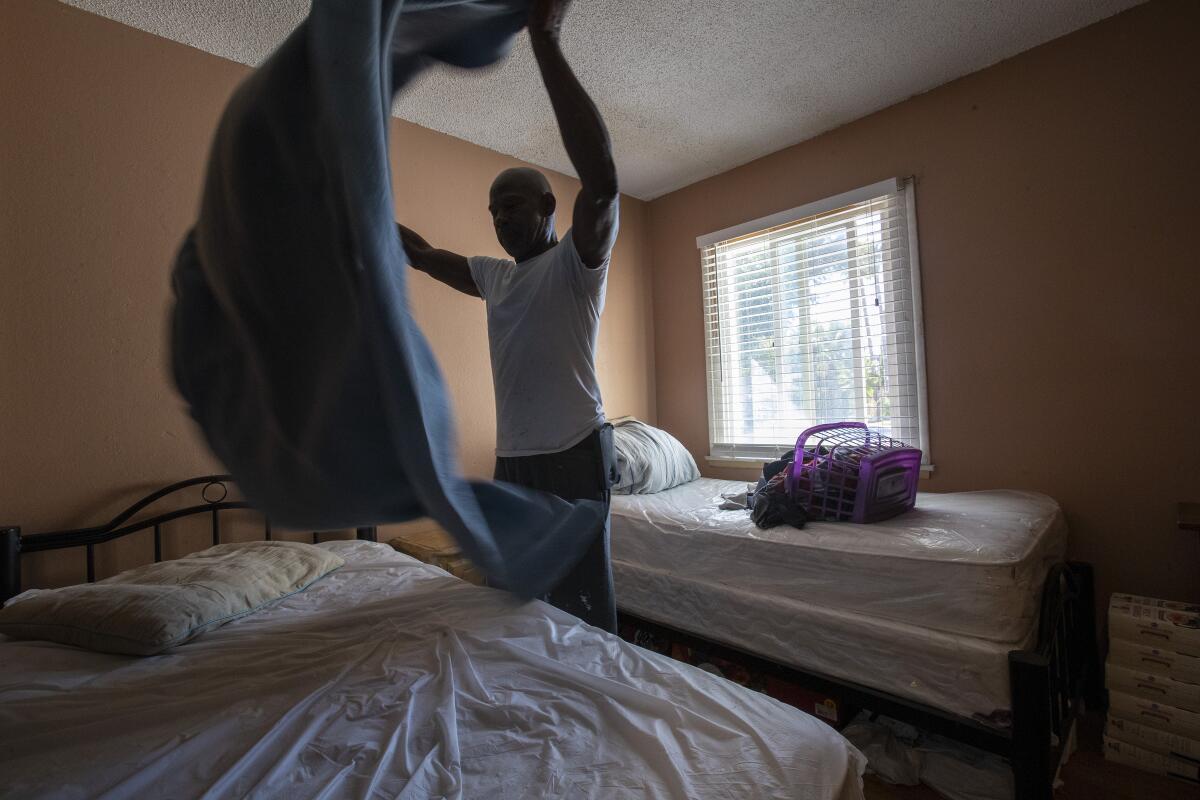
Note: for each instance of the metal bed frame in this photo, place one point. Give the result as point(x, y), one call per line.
point(213, 500)
point(1052, 685)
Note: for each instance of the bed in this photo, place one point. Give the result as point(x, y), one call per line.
point(390, 678)
point(969, 563)
point(925, 605)
point(960, 616)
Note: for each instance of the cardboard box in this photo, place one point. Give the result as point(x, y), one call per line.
point(1124, 753)
point(819, 704)
point(463, 568)
point(425, 541)
point(429, 543)
point(1153, 602)
point(1158, 688)
point(1177, 721)
point(1147, 738)
point(1154, 660)
point(1166, 628)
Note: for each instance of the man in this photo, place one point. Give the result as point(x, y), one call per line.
point(543, 312)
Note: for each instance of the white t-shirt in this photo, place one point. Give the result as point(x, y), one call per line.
point(543, 316)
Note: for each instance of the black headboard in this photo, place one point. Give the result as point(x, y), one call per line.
point(212, 496)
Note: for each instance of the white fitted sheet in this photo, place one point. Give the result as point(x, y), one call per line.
point(964, 675)
point(390, 678)
point(970, 563)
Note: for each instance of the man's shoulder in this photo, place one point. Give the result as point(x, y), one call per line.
point(561, 251)
point(490, 262)
point(484, 269)
point(487, 271)
point(566, 249)
point(567, 242)
point(570, 253)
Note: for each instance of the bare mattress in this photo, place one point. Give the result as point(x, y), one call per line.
point(968, 563)
point(964, 675)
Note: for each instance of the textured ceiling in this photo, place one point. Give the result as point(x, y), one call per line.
point(689, 88)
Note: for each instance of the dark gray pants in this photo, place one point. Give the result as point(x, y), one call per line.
point(582, 472)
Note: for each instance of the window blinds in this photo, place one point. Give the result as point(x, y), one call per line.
point(813, 316)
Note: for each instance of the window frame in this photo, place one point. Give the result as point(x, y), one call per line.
point(758, 453)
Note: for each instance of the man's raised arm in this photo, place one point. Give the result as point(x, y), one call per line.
point(594, 224)
point(449, 268)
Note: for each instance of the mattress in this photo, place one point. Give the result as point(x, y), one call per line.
point(964, 675)
point(969, 563)
point(391, 678)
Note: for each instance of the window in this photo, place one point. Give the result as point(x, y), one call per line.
point(813, 316)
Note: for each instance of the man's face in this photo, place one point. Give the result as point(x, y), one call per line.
point(519, 218)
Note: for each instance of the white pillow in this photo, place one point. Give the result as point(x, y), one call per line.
point(149, 609)
point(649, 459)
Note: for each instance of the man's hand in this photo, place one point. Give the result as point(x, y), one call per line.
point(594, 223)
point(546, 17)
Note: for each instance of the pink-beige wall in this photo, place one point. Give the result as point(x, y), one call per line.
point(104, 132)
point(1057, 200)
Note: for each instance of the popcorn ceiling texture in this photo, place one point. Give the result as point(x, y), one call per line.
point(689, 88)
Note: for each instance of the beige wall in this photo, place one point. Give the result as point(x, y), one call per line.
point(103, 136)
point(1057, 200)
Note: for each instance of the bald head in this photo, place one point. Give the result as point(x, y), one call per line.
point(522, 208)
point(522, 179)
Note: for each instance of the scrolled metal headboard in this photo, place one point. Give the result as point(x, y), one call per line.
point(213, 501)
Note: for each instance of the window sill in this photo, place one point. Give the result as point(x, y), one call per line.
point(746, 462)
point(749, 462)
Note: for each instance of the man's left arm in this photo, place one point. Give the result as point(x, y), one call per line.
point(594, 223)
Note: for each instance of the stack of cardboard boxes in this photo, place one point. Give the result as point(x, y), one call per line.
point(425, 540)
point(1153, 679)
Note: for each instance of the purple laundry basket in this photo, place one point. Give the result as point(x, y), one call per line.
point(845, 472)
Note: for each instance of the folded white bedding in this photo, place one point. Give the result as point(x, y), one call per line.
point(391, 678)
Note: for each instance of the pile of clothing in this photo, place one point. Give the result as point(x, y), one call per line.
point(769, 502)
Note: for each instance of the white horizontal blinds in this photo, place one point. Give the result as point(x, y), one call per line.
point(812, 321)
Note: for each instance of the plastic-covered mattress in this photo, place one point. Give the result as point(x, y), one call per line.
point(969, 563)
point(390, 678)
point(964, 675)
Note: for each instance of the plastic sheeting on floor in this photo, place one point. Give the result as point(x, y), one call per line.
point(900, 754)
